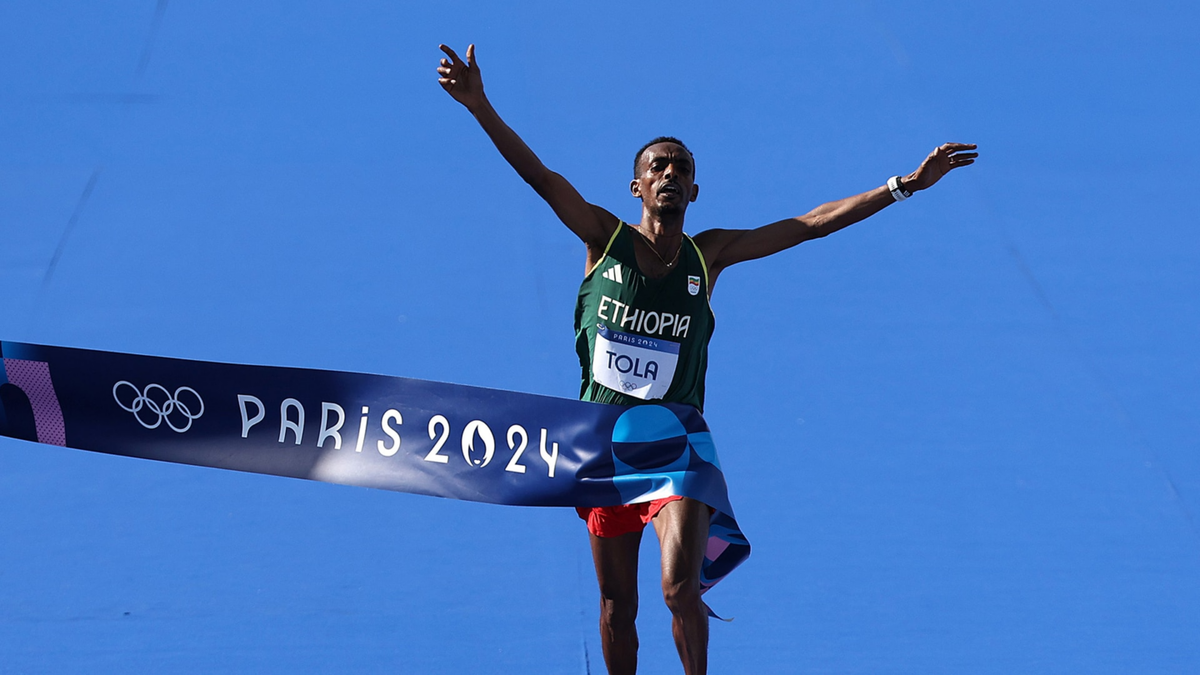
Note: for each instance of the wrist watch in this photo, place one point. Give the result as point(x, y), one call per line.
point(899, 192)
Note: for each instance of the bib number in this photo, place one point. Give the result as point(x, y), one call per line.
point(634, 365)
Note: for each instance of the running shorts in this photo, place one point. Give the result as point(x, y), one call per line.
point(614, 521)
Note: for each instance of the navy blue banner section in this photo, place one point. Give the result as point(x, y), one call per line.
point(376, 431)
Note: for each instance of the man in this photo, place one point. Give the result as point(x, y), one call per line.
point(653, 270)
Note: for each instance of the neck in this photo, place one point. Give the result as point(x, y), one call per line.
point(661, 225)
point(663, 237)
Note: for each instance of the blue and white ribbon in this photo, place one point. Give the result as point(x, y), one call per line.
point(391, 433)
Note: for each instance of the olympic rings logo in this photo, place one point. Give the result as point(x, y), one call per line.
point(156, 405)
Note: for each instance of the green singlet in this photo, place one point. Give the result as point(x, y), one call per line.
point(641, 339)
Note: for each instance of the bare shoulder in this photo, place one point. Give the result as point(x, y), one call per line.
point(605, 225)
point(714, 237)
point(712, 244)
point(603, 228)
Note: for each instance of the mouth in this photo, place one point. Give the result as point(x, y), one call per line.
point(670, 189)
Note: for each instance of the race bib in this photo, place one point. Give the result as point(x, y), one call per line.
point(635, 365)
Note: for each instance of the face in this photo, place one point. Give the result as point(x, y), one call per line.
point(666, 180)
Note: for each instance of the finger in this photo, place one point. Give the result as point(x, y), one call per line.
point(445, 62)
point(450, 53)
point(964, 155)
point(955, 147)
point(471, 56)
point(446, 82)
point(444, 71)
point(965, 162)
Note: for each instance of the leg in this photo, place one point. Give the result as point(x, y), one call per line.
point(682, 528)
point(616, 560)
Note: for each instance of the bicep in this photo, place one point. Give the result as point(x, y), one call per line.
point(723, 248)
point(592, 224)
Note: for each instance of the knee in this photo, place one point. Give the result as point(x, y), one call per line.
point(618, 609)
point(681, 596)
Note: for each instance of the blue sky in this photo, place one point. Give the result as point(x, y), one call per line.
point(962, 435)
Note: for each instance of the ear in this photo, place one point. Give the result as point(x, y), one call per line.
point(695, 192)
point(635, 189)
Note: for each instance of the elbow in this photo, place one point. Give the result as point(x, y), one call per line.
point(813, 227)
point(540, 179)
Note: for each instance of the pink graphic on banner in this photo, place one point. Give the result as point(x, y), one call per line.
point(716, 546)
point(33, 377)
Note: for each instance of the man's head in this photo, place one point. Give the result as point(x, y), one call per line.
point(664, 176)
point(637, 159)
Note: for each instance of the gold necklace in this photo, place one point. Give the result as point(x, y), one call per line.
point(650, 245)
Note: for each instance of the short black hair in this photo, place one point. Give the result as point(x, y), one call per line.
point(661, 139)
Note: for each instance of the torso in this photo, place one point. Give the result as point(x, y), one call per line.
point(642, 338)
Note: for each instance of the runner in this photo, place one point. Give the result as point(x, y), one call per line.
point(642, 330)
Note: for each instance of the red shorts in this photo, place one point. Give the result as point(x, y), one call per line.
point(614, 521)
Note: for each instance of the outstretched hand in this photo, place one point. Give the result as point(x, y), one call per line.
point(460, 78)
point(940, 162)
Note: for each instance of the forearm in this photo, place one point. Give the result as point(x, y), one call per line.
point(511, 147)
point(591, 224)
point(833, 216)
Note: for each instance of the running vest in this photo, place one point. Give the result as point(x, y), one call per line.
point(641, 339)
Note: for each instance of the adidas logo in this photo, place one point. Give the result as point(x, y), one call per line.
point(614, 274)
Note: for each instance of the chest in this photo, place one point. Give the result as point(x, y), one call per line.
point(621, 296)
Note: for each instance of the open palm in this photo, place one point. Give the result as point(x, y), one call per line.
point(460, 78)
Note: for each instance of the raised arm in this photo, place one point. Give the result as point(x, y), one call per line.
point(461, 79)
point(723, 248)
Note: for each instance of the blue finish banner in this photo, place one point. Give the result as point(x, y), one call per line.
point(391, 433)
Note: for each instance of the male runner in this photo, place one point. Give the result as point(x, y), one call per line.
point(652, 270)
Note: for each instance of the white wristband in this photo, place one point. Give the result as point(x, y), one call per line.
point(898, 191)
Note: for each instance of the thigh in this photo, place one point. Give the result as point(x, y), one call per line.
point(682, 529)
point(616, 560)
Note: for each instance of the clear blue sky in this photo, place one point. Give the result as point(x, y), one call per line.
point(963, 436)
